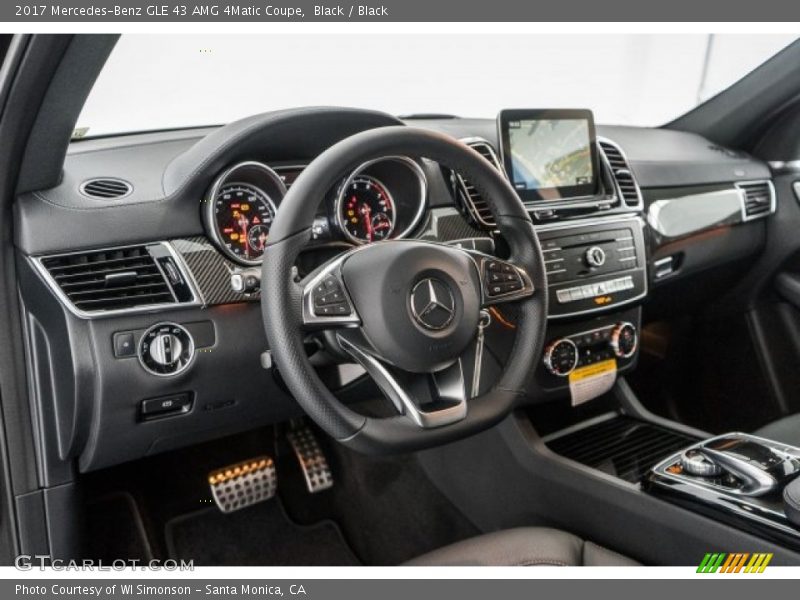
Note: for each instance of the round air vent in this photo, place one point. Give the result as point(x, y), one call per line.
point(106, 188)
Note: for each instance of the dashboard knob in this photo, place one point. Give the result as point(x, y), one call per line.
point(624, 340)
point(561, 357)
point(166, 349)
point(595, 256)
point(698, 465)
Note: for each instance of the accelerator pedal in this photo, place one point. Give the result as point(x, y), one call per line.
point(312, 461)
point(243, 484)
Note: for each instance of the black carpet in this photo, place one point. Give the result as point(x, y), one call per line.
point(388, 509)
point(116, 512)
point(261, 535)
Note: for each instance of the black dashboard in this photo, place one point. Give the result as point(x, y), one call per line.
point(145, 232)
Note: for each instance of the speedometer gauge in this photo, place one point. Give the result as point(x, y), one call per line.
point(243, 215)
point(365, 210)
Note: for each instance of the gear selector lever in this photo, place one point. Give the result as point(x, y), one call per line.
point(758, 467)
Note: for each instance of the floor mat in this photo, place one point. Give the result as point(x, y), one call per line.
point(261, 535)
point(388, 509)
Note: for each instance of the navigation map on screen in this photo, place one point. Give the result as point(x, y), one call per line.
point(550, 153)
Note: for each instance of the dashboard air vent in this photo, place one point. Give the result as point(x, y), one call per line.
point(477, 206)
point(623, 176)
point(758, 198)
point(107, 188)
point(116, 279)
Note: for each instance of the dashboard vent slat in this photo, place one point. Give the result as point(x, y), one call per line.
point(476, 205)
point(115, 279)
point(623, 176)
point(106, 188)
point(758, 198)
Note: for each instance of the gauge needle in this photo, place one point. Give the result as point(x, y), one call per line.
point(243, 222)
point(366, 211)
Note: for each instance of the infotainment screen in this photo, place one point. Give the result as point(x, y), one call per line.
point(549, 154)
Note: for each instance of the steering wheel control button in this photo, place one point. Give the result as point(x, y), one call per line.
point(433, 304)
point(561, 357)
point(501, 278)
point(165, 406)
point(329, 299)
point(124, 344)
point(166, 349)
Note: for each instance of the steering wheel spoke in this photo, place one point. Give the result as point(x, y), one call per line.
point(429, 399)
point(326, 302)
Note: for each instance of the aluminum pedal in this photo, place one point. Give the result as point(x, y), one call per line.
point(243, 484)
point(312, 461)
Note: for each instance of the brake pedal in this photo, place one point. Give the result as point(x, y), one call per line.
point(243, 484)
point(311, 458)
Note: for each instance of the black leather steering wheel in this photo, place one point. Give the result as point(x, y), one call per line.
point(405, 310)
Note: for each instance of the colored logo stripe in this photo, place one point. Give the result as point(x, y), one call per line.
point(734, 563)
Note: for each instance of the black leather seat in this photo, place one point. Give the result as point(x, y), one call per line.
point(525, 546)
point(785, 430)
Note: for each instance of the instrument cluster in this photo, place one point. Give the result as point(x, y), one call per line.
point(383, 199)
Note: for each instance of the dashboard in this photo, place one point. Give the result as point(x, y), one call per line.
point(153, 228)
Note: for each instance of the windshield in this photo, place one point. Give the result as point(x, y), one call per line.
point(153, 82)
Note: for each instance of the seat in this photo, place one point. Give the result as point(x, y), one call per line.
point(785, 430)
point(525, 546)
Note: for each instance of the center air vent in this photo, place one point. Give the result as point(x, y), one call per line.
point(134, 277)
point(107, 188)
point(623, 176)
point(475, 205)
point(758, 199)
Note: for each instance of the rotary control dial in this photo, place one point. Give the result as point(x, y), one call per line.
point(561, 357)
point(166, 349)
point(624, 340)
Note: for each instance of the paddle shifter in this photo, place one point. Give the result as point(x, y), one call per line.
point(742, 464)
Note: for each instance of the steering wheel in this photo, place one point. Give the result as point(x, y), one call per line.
point(405, 310)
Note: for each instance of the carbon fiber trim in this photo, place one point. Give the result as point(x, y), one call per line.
point(447, 225)
point(211, 271)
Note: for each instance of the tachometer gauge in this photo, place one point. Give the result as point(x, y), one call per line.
point(243, 215)
point(365, 210)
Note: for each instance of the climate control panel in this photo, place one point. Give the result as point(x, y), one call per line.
point(565, 354)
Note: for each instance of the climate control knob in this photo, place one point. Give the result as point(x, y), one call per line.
point(624, 340)
point(561, 357)
point(166, 349)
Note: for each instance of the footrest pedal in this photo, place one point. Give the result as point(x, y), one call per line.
point(311, 458)
point(243, 484)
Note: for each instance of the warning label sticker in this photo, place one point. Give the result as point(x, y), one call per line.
point(591, 381)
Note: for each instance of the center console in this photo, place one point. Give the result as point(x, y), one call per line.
point(739, 478)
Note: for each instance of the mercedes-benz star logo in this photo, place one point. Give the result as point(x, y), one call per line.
point(432, 304)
